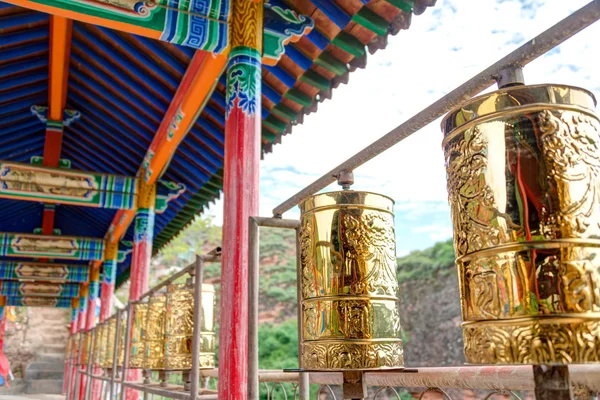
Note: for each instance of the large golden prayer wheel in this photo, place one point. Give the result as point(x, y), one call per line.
point(154, 333)
point(523, 167)
point(122, 331)
point(137, 353)
point(350, 305)
point(110, 335)
point(180, 327)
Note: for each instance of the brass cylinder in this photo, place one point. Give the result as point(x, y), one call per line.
point(523, 167)
point(350, 305)
point(100, 346)
point(110, 332)
point(137, 353)
point(180, 327)
point(154, 338)
point(122, 332)
point(69, 346)
point(75, 344)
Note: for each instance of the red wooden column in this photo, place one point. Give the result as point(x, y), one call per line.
point(90, 315)
point(72, 330)
point(143, 235)
point(241, 179)
point(4, 366)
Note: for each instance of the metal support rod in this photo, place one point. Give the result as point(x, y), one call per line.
point(522, 56)
point(196, 338)
point(113, 372)
point(126, 348)
point(253, 289)
point(304, 378)
point(552, 382)
point(90, 365)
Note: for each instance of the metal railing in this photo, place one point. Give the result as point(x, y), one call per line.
point(114, 378)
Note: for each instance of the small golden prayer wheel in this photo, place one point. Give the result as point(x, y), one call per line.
point(523, 167)
point(137, 352)
point(110, 334)
point(180, 327)
point(154, 333)
point(122, 331)
point(100, 345)
point(350, 304)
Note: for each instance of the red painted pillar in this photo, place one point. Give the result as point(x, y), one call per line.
point(142, 256)
point(241, 179)
point(4, 364)
point(90, 317)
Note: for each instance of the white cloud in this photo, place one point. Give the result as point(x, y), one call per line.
point(419, 66)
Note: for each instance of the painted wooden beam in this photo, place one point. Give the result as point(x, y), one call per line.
point(39, 289)
point(45, 246)
point(187, 23)
point(34, 301)
point(46, 272)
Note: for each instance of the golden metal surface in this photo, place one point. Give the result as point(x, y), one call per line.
point(100, 346)
point(154, 338)
point(85, 343)
point(350, 306)
point(122, 331)
point(110, 332)
point(75, 344)
point(69, 346)
point(137, 352)
point(523, 167)
point(180, 325)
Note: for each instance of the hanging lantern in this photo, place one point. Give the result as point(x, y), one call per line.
point(180, 327)
point(110, 332)
point(136, 357)
point(350, 305)
point(523, 166)
point(154, 334)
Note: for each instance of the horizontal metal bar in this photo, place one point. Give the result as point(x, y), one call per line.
point(171, 391)
point(522, 56)
point(276, 222)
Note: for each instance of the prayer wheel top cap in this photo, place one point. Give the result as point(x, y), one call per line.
point(346, 198)
point(517, 98)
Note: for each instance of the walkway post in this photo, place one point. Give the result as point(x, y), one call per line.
point(240, 187)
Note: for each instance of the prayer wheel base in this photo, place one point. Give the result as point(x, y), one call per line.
point(344, 356)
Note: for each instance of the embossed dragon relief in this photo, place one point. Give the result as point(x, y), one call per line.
point(471, 199)
point(571, 152)
point(352, 356)
point(363, 261)
point(534, 343)
point(504, 285)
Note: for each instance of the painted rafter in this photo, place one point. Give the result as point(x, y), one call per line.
point(43, 272)
point(64, 186)
point(40, 289)
point(189, 23)
point(35, 301)
point(53, 247)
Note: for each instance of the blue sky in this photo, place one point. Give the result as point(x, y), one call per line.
point(445, 46)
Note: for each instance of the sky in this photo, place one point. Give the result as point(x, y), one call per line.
point(444, 47)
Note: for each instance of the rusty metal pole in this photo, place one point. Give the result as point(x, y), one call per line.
point(304, 377)
point(196, 339)
point(552, 382)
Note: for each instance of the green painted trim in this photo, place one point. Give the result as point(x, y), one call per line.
point(297, 96)
point(404, 5)
point(331, 63)
point(274, 123)
point(314, 79)
point(283, 111)
point(371, 21)
point(349, 44)
point(269, 136)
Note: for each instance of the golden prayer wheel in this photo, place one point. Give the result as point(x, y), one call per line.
point(137, 353)
point(69, 346)
point(75, 348)
point(85, 348)
point(110, 331)
point(100, 345)
point(154, 333)
point(523, 166)
point(350, 305)
point(180, 327)
point(122, 332)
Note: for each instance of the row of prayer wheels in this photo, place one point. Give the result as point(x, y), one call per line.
point(161, 333)
point(523, 169)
